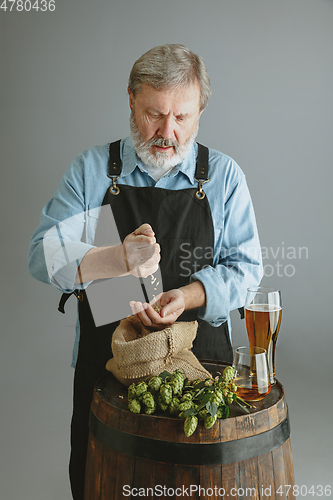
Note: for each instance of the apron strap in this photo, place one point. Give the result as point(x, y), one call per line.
point(63, 299)
point(115, 166)
point(201, 170)
point(115, 163)
point(65, 296)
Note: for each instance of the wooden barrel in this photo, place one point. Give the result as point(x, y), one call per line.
point(130, 455)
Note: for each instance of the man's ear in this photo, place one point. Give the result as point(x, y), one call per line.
point(131, 98)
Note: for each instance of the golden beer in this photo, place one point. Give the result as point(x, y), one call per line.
point(252, 376)
point(250, 391)
point(262, 325)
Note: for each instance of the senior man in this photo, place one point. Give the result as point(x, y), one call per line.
point(178, 207)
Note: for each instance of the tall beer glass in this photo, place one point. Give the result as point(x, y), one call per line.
point(263, 312)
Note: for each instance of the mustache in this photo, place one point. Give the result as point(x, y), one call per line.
point(164, 143)
point(154, 141)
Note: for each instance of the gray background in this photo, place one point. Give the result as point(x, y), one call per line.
point(64, 77)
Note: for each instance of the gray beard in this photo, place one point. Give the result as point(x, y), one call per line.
point(160, 160)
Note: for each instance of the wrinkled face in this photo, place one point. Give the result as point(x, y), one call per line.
point(164, 124)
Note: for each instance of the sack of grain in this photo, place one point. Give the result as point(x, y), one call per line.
point(139, 353)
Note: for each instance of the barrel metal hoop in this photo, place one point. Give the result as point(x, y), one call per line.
point(190, 453)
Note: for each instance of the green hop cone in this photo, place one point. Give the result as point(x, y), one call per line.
point(209, 382)
point(223, 386)
point(209, 421)
point(228, 374)
point(149, 410)
point(190, 425)
point(177, 382)
point(218, 394)
point(187, 397)
point(155, 383)
point(174, 406)
point(134, 406)
point(166, 393)
point(230, 398)
point(220, 412)
point(148, 400)
point(203, 413)
point(141, 388)
point(161, 403)
point(185, 405)
point(217, 397)
point(131, 392)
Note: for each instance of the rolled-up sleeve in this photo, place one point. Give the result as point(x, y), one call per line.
point(237, 257)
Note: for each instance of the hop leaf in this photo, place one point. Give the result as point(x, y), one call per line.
point(188, 413)
point(165, 375)
point(211, 408)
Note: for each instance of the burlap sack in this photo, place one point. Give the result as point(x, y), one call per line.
point(139, 353)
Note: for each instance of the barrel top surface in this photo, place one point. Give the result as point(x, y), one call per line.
point(114, 393)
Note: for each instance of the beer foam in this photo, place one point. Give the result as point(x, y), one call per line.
point(263, 307)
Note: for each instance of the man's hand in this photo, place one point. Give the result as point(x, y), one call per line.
point(173, 303)
point(141, 252)
point(138, 255)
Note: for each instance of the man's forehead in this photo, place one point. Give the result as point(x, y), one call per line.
point(185, 96)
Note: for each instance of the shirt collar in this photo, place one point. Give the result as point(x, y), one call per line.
point(131, 161)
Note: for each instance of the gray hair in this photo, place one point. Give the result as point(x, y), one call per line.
point(170, 66)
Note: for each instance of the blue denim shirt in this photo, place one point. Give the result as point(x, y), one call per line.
point(74, 209)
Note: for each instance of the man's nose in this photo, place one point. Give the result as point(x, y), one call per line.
point(166, 128)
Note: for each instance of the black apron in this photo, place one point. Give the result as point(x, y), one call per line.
point(177, 217)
